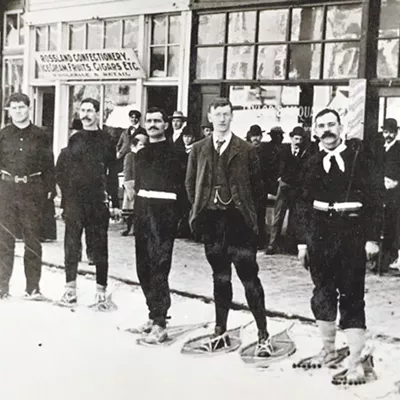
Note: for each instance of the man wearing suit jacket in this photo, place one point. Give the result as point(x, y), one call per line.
point(175, 135)
point(291, 159)
point(224, 185)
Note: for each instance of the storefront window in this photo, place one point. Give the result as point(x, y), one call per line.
point(46, 37)
point(211, 29)
point(95, 35)
point(209, 62)
point(77, 37)
point(271, 62)
point(341, 60)
point(307, 23)
point(304, 61)
point(388, 58)
point(343, 22)
point(53, 36)
point(242, 27)
point(13, 75)
point(273, 25)
point(41, 38)
point(130, 33)
point(240, 62)
point(112, 37)
point(13, 29)
point(164, 47)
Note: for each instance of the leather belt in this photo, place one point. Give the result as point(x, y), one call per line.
point(155, 194)
point(6, 176)
point(347, 207)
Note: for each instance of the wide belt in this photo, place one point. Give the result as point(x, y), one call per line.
point(155, 194)
point(348, 206)
point(6, 176)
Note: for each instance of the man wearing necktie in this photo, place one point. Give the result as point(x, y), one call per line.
point(338, 228)
point(224, 185)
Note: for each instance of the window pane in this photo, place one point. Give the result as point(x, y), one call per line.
point(389, 19)
point(341, 60)
point(305, 61)
point(77, 94)
point(77, 37)
point(21, 29)
point(41, 38)
point(13, 74)
point(271, 62)
point(159, 25)
point(173, 61)
point(174, 33)
point(157, 63)
point(240, 62)
point(388, 58)
point(95, 35)
point(211, 29)
point(273, 24)
point(343, 22)
point(113, 34)
point(53, 37)
point(131, 32)
point(307, 23)
point(242, 27)
point(12, 38)
point(118, 101)
point(209, 63)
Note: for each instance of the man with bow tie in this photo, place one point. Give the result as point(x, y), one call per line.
point(338, 229)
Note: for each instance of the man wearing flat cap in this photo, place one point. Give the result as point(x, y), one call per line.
point(391, 197)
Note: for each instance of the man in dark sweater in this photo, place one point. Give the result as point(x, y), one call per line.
point(338, 223)
point(291, 158)
point(81, 173)
point(158, 183)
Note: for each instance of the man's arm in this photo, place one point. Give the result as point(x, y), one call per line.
point(256, 179)
point(191, 173)
point(47, 161)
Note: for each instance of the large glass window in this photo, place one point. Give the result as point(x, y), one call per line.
point(164, 45)
point(46, 37)
point(309, 42)
point(13, 29)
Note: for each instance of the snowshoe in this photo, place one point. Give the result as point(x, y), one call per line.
point(211, 344)
point(103, 303)
point(323, 359)
point(173, 334)
point(142, 329)
point(262, 355)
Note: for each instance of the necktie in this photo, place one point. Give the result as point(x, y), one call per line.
point(219, 145)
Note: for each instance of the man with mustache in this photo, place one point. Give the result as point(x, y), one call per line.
point(81, 172)
point(158, 184)
point(339, 217)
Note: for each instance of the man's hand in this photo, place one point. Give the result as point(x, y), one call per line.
point(371, 249)
point(390, 183)
point(302, 255)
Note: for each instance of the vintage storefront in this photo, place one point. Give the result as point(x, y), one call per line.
point(128, 56)
point(280, 62)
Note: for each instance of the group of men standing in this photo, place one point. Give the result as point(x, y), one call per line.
point(337, 218)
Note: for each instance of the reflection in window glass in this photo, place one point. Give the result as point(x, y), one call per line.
point(209, 63)
point(271, 62)
point(240, 62)
point(305, 61)
point(77, 94)
point(95, 35)
point(131, 32)
point(389, 24)
point(41, 38)
point(174, 29)
point(159, 26)
point(307, 23)
point(118, 101)
point(343, 22)
point(273, 25)
point(173, 61)
point(21, 29)
point(157, 62)
point(341, 60)
point(13, 75)
point(211, 29)
point(242, 27)
point(53, 37)
point(388, 58)
point(12, 35)
point(77, 37)
point(112, 37)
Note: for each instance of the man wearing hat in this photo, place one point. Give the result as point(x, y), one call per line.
point(123, 145)
point(177, 120)
point(391, 197)
point(207, 129)
point(290, 160)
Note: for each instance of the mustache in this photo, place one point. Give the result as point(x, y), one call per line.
point(153, 128)
point(327, 134)
point(85, 118)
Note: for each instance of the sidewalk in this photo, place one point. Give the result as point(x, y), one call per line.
point(287, 285)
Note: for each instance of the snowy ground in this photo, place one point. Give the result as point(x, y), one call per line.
point(53, 353)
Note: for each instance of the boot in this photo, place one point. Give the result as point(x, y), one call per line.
point(69, 297)
point(328, 356)
point(101, 296)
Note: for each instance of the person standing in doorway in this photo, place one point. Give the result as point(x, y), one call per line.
point(178, 125)
point(26, 181)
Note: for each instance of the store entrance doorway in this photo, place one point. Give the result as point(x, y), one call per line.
point(165, 97)
point(44, 108)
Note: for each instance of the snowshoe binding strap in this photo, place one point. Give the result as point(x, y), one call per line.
point(215, 343)
point(104, 306)
point(323, 359)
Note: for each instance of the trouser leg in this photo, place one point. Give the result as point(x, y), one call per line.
point(72, 247)
point(281, 206)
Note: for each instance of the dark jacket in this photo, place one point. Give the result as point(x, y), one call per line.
point(243, 174)
point(84, 165)
point(123, 145)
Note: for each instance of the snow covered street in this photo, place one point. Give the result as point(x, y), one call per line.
point(48, 352)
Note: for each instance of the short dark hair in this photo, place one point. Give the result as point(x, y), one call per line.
point(18, 98)
point(220, 102)
point(135, 113)
point(328, 111)
point(153, 110)
point(91, 100)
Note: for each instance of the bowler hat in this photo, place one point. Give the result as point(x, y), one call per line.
point(135, 113)
point(255, 130)
point(177, 115)
point(298, 131)
point(276, 130)
point(208, 125)
point(390, 124)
